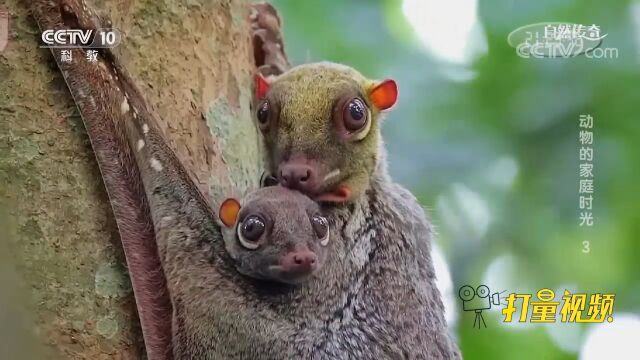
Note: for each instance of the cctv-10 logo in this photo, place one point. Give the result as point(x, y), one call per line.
point(65, 38)
point(544, 309)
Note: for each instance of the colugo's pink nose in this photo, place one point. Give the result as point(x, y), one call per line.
point(299, 176)
point(299, 261)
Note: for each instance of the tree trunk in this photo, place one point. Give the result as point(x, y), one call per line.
point(193, 61)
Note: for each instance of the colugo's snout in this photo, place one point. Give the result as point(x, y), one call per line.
point(299, 175)
point(299, 262)
point(310, 177)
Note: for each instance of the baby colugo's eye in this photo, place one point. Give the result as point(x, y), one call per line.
point(250, 231)
point(321, 228)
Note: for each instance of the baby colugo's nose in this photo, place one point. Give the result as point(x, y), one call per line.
point(299, 261)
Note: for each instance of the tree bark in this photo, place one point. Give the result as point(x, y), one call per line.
point(193, 60)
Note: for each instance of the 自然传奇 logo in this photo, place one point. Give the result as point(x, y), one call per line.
point(560, 40)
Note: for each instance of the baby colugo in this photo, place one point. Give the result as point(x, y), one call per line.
point(276, 234)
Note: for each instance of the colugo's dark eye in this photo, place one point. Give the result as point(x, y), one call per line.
point(355, 114)
point(250, 231)
point(321, 227)
point(263, 115)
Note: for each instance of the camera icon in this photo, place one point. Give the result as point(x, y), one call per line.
point(477, 300)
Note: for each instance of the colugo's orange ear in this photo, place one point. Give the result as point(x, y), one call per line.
point(384, 94)
point(262, 86)
point(229, 210)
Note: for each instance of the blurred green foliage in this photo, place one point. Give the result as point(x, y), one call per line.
point(495, 157)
